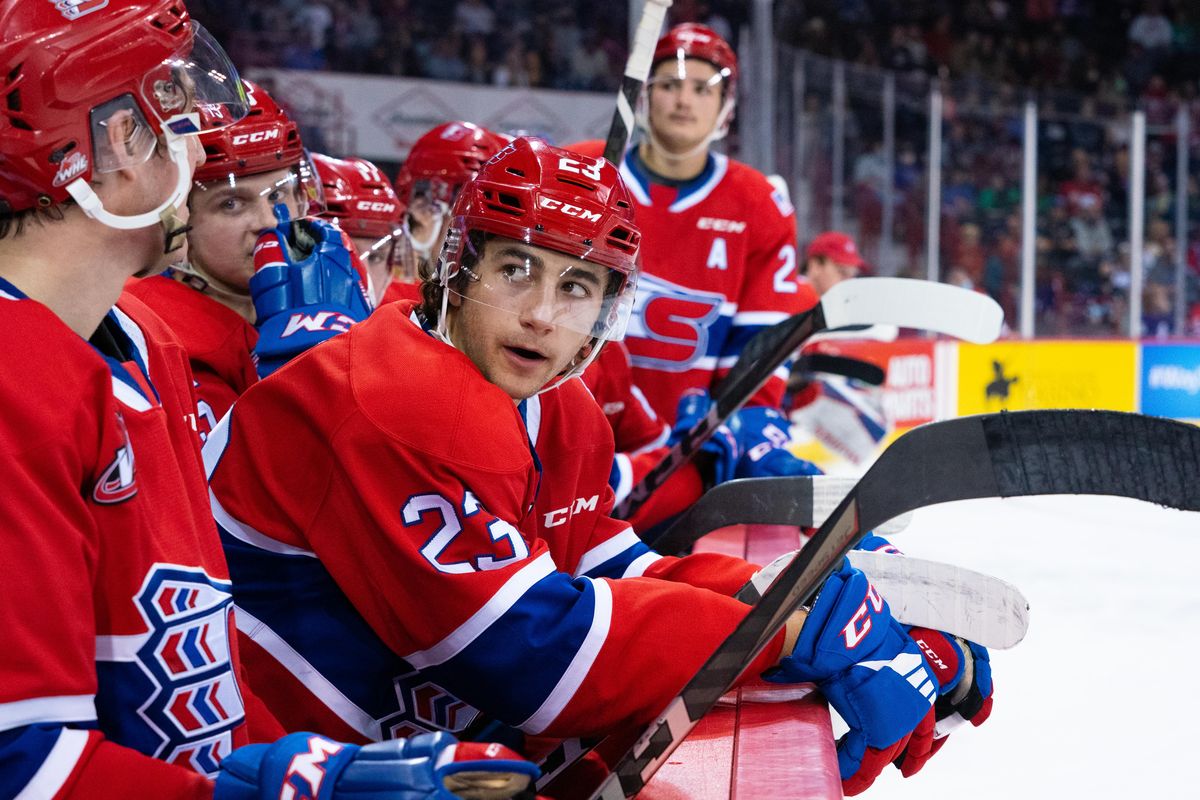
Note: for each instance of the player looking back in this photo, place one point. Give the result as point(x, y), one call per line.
point(718, 255)
point(446, 548)
point(120, 676)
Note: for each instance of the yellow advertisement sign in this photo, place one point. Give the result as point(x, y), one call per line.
point(1028, 375)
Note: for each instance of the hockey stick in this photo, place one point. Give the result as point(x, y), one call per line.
point(992, 455)
point(637, 70)
point(930, 594)
point(845, 366)
point(930, 306)
point(801, 501)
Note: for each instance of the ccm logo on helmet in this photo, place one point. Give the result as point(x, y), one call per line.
point(257, 136)
point(568, 209)
point(74, 9)
point(375, 205)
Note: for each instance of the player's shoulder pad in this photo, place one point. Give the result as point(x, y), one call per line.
point(45, 363)
point(202, 324)
point(423, 393)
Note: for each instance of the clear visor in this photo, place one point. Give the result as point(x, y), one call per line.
point(428, 214)
point(296, 186)
point(544, 286)
point(678, 79)
point(174, 91)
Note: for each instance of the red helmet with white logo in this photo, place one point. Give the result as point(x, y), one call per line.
point(358, 196)
point(91, 85)
point(264, 140)
point(696, 41)
point(551, 198)
point(448, 156)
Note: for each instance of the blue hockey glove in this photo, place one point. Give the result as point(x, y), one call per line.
point(751, 444)
point(431, 766)
point(869, 669)
point(964, 673)
point(308, 285)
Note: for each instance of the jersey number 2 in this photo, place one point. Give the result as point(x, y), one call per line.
point(451, 526)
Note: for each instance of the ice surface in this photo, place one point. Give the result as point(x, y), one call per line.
point(1102, 698)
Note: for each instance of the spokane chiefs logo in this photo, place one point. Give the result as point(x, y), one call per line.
point(178, 676)
point(672, 326)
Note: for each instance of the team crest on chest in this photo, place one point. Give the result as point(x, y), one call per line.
point(116, 483)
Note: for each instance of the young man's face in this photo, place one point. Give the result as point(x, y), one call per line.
point(529, 314)
point(825, 273)
point(683, 110)
point(227, 221)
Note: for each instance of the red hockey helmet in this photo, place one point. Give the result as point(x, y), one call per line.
point(555, 199)
point(360, 199)
point(696, 41)
point(358, 196)
point(266, 139)
point(447, 156)
point(91, 85)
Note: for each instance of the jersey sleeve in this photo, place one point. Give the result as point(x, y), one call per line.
point(770, 291)
point(438, 555)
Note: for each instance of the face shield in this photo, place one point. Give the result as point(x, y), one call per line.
point(174, 92)
point(297, 187)
point(550, 284)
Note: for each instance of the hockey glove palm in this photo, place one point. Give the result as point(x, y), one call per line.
point(752, 444)
point(431, 766)
point(308, 285)
point(870, 670)
point(964, 673)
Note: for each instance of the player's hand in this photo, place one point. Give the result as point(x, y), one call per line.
point(870, 670)
point(751, 444)
point(964, 673)
point(431, 766)
point(308, 285)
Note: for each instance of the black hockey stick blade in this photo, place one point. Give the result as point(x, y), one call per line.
point(992, 455)
point(637, 70)
point(845, 366)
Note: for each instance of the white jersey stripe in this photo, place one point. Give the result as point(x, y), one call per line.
point(245, 533)
point(329, 695)
point(496, 607)
point(624, 477)
point(57, 767)
point(580, 665)
point(120, 648)
point(64, 708)
point(701, 193)
point(609, 548)
point(637, 568)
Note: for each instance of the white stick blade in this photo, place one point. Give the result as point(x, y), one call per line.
point(909, 303)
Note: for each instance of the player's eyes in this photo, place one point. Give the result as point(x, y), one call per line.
point(231, 205)
point(576, 290)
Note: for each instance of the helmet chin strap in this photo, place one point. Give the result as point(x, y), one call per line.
point(166, 215)
point(196, 277)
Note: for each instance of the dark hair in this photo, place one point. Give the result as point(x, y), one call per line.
point(15, 222)
point(431, 288)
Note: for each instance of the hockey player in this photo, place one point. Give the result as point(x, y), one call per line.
point(445, 548)
point(255, 169)
point(719, 255)
point(250, 166)
point(361, 202)
point(120, 676)
point(438, 165)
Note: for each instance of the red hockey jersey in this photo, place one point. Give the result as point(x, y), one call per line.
point(116, 597)
point(409, 545)
point(219, 344)
point(718, 265)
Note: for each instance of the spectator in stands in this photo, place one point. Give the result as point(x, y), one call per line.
point(1151, 29)
point(474, 18)
point(1093, 238)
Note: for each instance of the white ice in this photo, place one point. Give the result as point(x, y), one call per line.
point(1102, 699)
